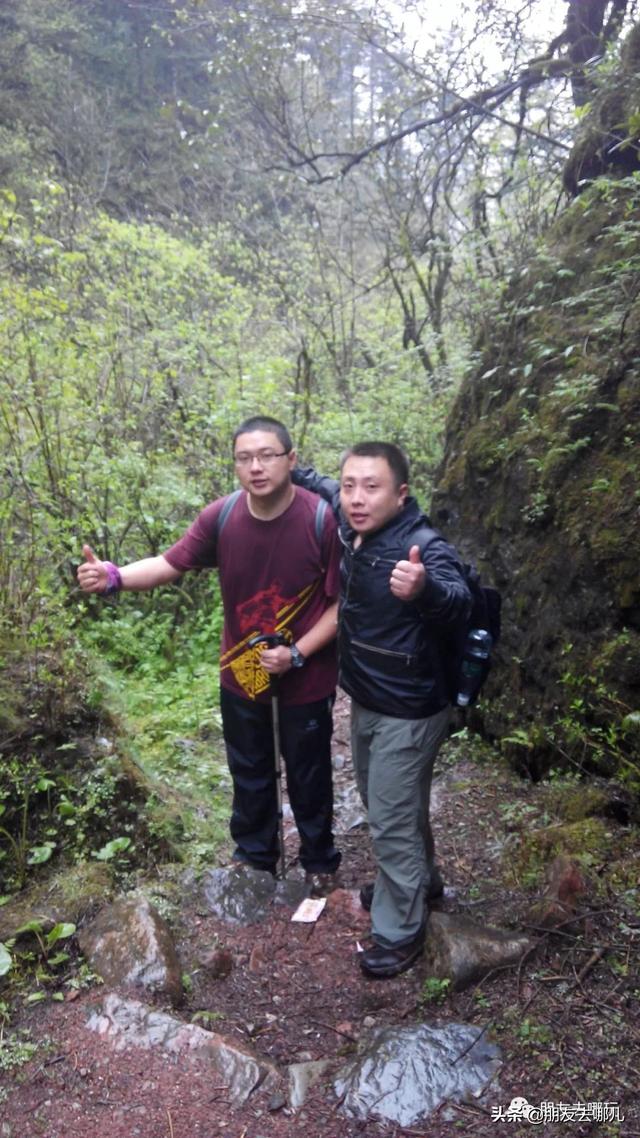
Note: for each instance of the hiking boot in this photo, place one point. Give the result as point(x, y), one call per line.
point(433, 893)
point(247, 863)
point(321, 884)
point(384, 963)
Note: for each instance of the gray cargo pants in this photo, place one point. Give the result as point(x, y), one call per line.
point(393, 761)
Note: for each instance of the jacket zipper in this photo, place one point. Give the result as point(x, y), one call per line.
point(408, 659)
point(373, 561)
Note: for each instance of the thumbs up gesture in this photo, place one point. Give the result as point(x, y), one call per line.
point(92, 574)
point(408, 577)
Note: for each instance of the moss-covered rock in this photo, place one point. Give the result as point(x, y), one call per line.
point(540, 485)
point(68, 896)
point(575, 803)
point(586, 841)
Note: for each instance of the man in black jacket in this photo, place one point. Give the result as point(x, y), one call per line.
point(398, 602)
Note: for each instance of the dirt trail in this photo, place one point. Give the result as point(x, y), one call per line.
point(567, 1022)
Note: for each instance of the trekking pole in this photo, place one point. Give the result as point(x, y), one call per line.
point(273, 640)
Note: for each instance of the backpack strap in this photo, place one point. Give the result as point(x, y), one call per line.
point(232, 499)
point(223, 517)
point(321, 510)
point(425, 536)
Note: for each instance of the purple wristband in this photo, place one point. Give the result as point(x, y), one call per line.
point(114, 579)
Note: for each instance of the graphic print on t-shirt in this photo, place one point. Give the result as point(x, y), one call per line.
point(266, 612)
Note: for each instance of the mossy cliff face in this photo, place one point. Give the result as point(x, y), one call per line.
point(540, 485)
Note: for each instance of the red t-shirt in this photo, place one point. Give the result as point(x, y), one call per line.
point(275, 576)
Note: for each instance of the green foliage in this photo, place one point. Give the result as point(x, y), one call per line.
point(434, 991)
point(112, 849)
point(206, 1017)
point(47, 940)
point(70, 816)
point(534, 1035)
point(593, 733)
point(20, 783)
point(154, 291)
point(532, 849)
point(14, 1052)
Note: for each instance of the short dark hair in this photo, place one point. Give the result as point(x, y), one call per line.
point(392, 454)
point(264, 423)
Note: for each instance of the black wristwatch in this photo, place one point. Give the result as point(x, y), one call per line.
point(297, 659)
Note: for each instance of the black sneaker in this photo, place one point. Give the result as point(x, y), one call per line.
point(433, 893)
point(384, 963)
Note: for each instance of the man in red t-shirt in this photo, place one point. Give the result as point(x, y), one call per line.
point(278, 562)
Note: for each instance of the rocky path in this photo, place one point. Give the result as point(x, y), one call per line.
point(285, 1007)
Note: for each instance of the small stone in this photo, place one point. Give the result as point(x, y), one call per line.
point(257, 958)
point(565, 886)
point(303, 1076)
point(368, 1021)
point(276, 1102)
point(218, 962)
point(339, 762)
point(185, 745)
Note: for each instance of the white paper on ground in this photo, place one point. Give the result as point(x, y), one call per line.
point(309, 910)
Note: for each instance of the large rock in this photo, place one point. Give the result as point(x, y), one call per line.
point(128, 1023)
point(241, 895)
point(403, 1075)
point(130, 944)
point(464, 952)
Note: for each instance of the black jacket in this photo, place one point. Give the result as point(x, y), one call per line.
point(392, 653)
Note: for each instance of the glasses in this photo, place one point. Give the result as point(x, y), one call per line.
point(264, 457)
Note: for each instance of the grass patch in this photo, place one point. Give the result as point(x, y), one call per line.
point(172, 725)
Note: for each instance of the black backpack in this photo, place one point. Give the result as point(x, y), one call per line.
point(467, 652)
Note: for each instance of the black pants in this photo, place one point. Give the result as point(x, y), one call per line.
point(305, 737)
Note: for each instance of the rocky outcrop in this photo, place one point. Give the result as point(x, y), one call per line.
point(128, 1023)
point(539, 485)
